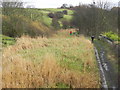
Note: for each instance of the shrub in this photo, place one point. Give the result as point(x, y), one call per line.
point(16, 26)
point(65, 12)
point(12, 26)
point(112, 36)
point(66, 24)
point(55, 23)
point(51, 15)
point(59, 15)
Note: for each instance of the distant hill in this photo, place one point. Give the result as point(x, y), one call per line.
point(42, 15)
point(30, 21)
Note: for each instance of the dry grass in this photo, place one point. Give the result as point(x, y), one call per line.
point(18, 72)
point(23, 74)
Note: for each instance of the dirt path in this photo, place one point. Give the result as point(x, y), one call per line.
point(108, 71)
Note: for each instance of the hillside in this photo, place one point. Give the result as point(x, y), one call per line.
point(33, 22)
point(42, 15)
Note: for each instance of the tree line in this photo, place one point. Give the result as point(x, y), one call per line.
point(95, 18)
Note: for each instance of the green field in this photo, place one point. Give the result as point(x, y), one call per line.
point(42, 15)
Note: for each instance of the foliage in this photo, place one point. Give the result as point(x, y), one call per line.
point(15, 26)
point(70, 12)
point(33, 22)
point(64, 6)
point(41, 15)
point(83, 18)
point(62, 16)
point(55, 23)
point(68, 18)
point(7, 40)
point(12, 4)
point(65, 12)
point(59, 15)
point(92, 20)
point(65, 24)
point(7, 7)
point(112, 36)
point(51, 15)
point(11, 26)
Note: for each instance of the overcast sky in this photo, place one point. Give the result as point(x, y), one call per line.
point(58, 3)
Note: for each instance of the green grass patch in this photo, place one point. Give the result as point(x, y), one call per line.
point(62, 85)
point(112, 36)
point(42, 15)
point(67, 55)
point(6, 41)
point(47, 20)
point(70, 12)
point(68, 17)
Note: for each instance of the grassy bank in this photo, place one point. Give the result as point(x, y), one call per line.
point(61, 61)
point(41, 15)
point(111, 53)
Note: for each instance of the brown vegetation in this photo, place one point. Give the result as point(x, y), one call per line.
point(18, 72)
point(22, 74)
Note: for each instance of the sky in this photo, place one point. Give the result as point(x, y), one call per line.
point(58, 3)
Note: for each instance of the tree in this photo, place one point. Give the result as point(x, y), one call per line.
point(66, 24)
point(65, 12)
point(12, 4)
point(103, 5)
point(94, 19)
point(9, 7)
point(59, 15)
point(64, 6)
point(51, 15)
point(11, 22)
point(83, 19)
point(71, 6)
point(55, 23)
point(104, 17)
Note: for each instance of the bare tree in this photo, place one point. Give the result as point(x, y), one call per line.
point(9, 6)
point(11, 3)
point(64, 6)
point(103, 4)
